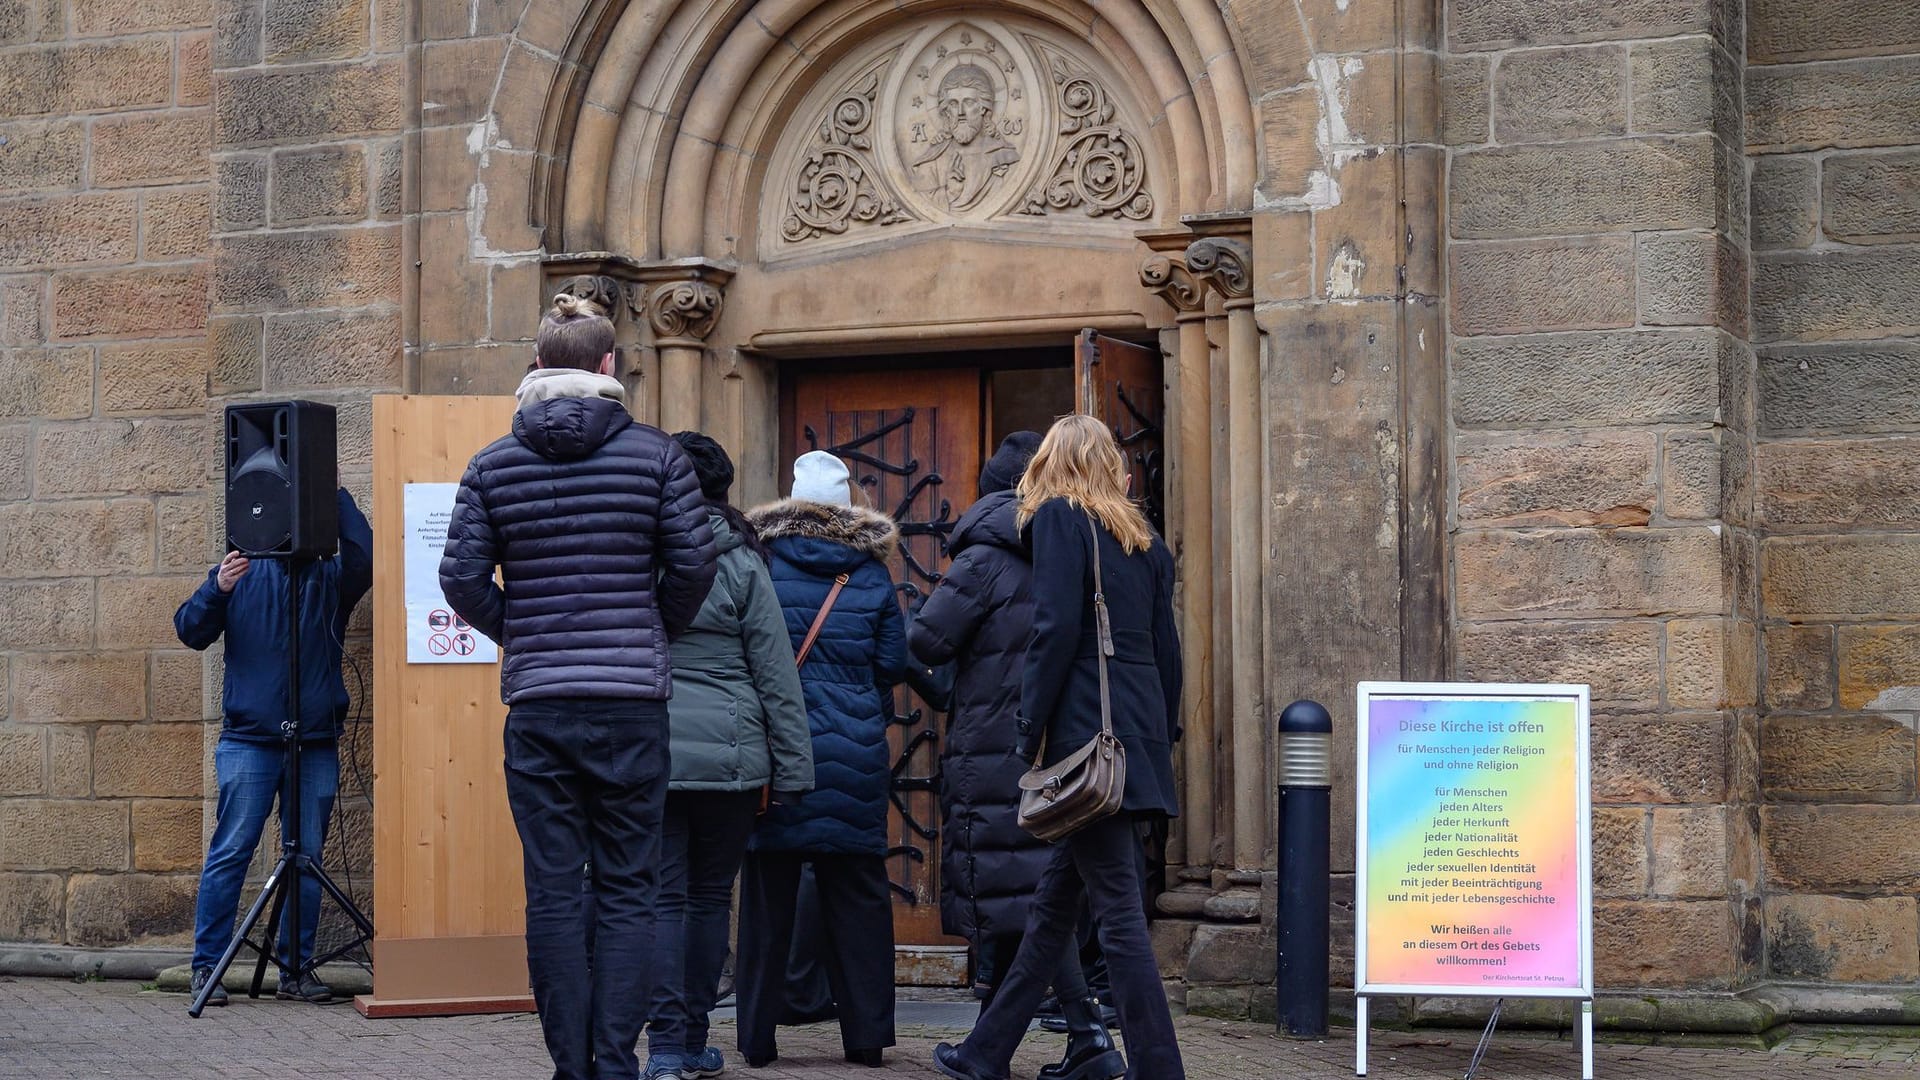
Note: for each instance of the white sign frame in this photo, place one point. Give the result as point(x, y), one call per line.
point(1581, 697)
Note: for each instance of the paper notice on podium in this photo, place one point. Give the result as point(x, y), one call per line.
point(435, 635)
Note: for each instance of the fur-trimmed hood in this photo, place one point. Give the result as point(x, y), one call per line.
point(868, 533)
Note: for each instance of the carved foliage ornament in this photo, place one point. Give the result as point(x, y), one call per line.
point(1174, 282)
point(837, 184)
point(684, 310)
point(603, 292)
point(1224, 264)
point(1099, 168)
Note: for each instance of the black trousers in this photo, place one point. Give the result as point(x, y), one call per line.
point(857, 945)
point(1102, 862)
point(587, 780)
point(705, 839)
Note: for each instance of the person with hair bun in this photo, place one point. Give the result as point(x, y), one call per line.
point(600, 535)
point(1089, 540)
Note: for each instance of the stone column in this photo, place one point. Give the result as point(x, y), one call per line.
point(682, 314)
point(1190, 446)
point(1224, 264)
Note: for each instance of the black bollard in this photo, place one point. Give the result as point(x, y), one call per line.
point(1306, 780)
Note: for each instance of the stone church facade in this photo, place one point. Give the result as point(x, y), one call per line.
point(1535, 340)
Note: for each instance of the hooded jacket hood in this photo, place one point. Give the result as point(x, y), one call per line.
point(724, 538)
point(566, 414)
point(823, 538)
point(990, 521)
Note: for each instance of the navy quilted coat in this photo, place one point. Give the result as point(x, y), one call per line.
point(600, 532)
point(981, 615)
point(849, 677)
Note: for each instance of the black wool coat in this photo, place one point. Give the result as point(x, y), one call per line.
point(980, 617)
point(1060, 697)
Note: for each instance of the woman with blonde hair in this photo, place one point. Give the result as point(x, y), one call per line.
point(1090, 540)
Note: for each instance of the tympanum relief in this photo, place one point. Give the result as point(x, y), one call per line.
point(971, 122)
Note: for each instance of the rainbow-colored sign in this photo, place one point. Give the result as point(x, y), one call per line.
point(1474, 849)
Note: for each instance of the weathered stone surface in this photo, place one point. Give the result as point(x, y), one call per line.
point(1620, 377)
point(16, 468)
point(65, 79)
point(131, 909)
point(68, 230)
point(1839, 388)
point(361, 349)
point(58, 539)
point(1663, 943)
point(1690, 852)
point(1509, 287)
point(1854, 482)
point(151, 148)
point(162, 760)
point(1663, 759)
point(1230, 954)
point(41, 155)
point(1836, 294)
point(47, 614)
point(1785, 196)
point(1619, 851)
point(1800, 667)
point(46, 384)
point(1690, 476)
point(182, 524)
point(388, 178)
point(458, 78)
point(60, 834)
point(1692, 279)
point(237, 354)
point(1852, 758)
point(176, 224)
point(1781, 31)
point(1871, 198)
point(104, 18)
point(1843, 939)
point(1548, 94)
point(23, 764)
point(1637, 184)
point(21, 322)
point(138, 612)
point(1697, 665)
point(70, 762)
point(306, 104)
point(32, 907)
point(514, 294)
point(1841, 575)
point(322, 183)
point(459, 287)
point(333, 268)
point(1686, 85)
point(1840, 103)
point(175, 685)
point(154, 301)
point(1879, 667)
point(79, 686)
point(240, 191)
point(1477, 24)
point(1556, 478)
point(1355, 252)
point(166, 834)
point(154, 377)
point(316, 29)
point(195, 63)
point(121, 456)
point(1466, 108)
point(1172, 941)
point(1623, 571)
point(1620, 660)
point(520, 115)
point(1857, 849)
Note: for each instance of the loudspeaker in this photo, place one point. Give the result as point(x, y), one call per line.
point(282, 474)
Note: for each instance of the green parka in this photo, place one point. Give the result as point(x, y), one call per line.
point(738, 717)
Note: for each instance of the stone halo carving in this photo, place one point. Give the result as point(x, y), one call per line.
point(990, 122)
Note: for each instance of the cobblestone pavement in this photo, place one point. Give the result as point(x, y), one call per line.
point(75, 1031)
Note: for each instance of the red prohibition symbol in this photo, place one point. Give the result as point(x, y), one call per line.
point(463, 644)
point(438, 644)
point(438, 620)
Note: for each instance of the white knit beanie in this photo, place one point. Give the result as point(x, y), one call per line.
point(820, 477)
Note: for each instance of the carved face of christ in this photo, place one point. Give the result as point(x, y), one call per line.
point(966, 108)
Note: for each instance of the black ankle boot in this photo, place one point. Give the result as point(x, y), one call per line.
point(1090, 1051)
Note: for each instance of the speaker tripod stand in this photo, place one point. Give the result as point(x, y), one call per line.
point(282, 890)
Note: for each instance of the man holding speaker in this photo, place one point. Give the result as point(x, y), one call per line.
point(600, 532)
point(245, 600)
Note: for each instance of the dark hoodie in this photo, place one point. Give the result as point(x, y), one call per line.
point(981, 615)
point(600, 532)
point(848, 678)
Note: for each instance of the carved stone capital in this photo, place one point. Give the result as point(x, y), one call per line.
point(1224, 265)
point(1174, 283)
point(683, 312)
point(606, 293)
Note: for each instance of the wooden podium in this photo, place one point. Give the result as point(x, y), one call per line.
point(449, 904)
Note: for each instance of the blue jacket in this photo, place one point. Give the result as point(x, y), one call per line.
point(600, 533)
point(254, 619)
point(849, 676)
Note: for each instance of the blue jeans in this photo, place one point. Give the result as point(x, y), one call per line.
point(587, 780)
point(706, 839)
point(249, 777)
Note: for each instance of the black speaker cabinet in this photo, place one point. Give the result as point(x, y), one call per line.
point(282, 473)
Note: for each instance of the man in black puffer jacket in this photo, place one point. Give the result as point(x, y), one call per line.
point(600, 532)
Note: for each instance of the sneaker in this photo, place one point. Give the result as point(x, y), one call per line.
point(200, 977)
point(304, 988)
point(704, 1065)
point(663, 1067)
